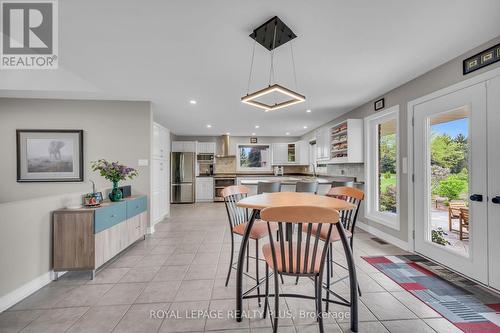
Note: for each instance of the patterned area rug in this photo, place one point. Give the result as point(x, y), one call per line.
point(466, 304)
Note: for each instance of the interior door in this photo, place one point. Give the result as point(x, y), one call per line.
point(450, 173)
point(494, 181)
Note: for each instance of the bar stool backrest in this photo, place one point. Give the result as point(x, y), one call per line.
point(233, 194)
point(311, 187)
point(352, 195)
point(268, 187)
point(341, 184)
point(301, 252)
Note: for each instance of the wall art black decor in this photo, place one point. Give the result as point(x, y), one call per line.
point(482, 59)
point(49, 155)
point(379, 104)
point(253, 140)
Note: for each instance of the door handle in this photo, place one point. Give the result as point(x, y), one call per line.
point(496, 200)
point(476, 197)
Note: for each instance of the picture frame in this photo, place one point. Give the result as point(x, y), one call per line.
point(379, 104)
point(46, 155)
point(481, 60)
point(253, 139)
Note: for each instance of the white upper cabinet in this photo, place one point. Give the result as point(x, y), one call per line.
point(280, 151)
point(160, 141)
point(184, 146)
point(346, 142)
point(206, 148)
point(323, 144)
point(291, 153)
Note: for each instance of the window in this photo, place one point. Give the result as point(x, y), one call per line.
point(381, 168)
point(253, 158)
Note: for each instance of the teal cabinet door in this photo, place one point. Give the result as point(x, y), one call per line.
point(136, 206)
point(106, 217)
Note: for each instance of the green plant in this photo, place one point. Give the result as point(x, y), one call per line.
point(387, 199)
point(438, 236)
point(452, 186)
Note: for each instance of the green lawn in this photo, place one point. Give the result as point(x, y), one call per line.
point(384, 182)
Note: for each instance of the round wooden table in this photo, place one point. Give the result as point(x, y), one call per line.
point(266, 200)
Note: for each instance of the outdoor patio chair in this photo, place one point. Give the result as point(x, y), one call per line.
point(464, 222)
point(454, 212)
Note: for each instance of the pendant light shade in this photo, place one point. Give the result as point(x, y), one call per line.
point(295, 98)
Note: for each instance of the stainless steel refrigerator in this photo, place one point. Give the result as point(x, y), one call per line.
point(182, 178)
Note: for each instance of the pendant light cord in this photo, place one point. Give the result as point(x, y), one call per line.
point(271, 69)
point(293, 64)
point(251, 68)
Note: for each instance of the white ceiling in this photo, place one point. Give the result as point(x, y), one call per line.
point(169, 52)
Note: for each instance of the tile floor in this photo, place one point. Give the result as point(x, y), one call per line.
point(181, 269)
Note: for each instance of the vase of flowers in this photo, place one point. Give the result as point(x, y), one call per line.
point(114, 172)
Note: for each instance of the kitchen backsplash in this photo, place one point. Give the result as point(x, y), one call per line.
point(225, 165)
point(352, 170)
point(228, 165)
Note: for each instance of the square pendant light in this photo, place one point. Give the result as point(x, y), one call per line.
point(295, 98)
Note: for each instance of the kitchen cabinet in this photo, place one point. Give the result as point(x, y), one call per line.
point(204, 189)
point(205, 148)
point(280, 153)
point(323, 188)
point(160, 141)
point(287, 188)
point(346, 142)
point(184, 146)
point(291, 153)
point(86, 238)
point(323, 144)
point(160, 173)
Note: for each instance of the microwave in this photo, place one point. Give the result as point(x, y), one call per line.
point(205, 158)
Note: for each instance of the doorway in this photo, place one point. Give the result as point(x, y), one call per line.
point(456, 178)
point(450, 178)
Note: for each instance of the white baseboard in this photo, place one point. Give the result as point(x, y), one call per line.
point(25, 290)
point(151, 229)
point(382, 235)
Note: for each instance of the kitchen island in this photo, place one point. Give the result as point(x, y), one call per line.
point(288, 182)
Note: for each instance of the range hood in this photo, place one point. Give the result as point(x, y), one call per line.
point(223, 147)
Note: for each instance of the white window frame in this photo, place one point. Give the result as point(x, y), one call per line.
point(371, 168)
point(261, 169)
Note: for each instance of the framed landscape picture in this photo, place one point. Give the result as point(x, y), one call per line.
point(49, 155)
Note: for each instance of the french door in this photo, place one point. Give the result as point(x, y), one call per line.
point(451, 180)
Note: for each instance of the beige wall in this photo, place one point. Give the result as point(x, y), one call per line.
point(113, 130)
point(438, 78)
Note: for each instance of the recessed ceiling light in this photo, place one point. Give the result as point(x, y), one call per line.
point(209, 126)
point(253, 133)
point(192, 101)
point(287, 133)
point(305, 127)
point(257, 126)
point(308, 110)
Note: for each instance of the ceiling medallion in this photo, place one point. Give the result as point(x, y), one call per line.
point(271, 35)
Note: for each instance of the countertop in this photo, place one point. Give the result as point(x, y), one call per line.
point(285, 180)
point(105, 203)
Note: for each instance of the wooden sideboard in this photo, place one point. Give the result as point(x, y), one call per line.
point(86, 238)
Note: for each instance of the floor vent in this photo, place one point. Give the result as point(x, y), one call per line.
point(380, 241)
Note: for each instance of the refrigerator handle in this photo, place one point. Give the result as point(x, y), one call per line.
point(182, 167)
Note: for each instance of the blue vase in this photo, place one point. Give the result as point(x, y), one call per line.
point(116, 193)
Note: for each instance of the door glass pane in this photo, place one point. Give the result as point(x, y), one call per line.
point(449, 180)
point(387, 167)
